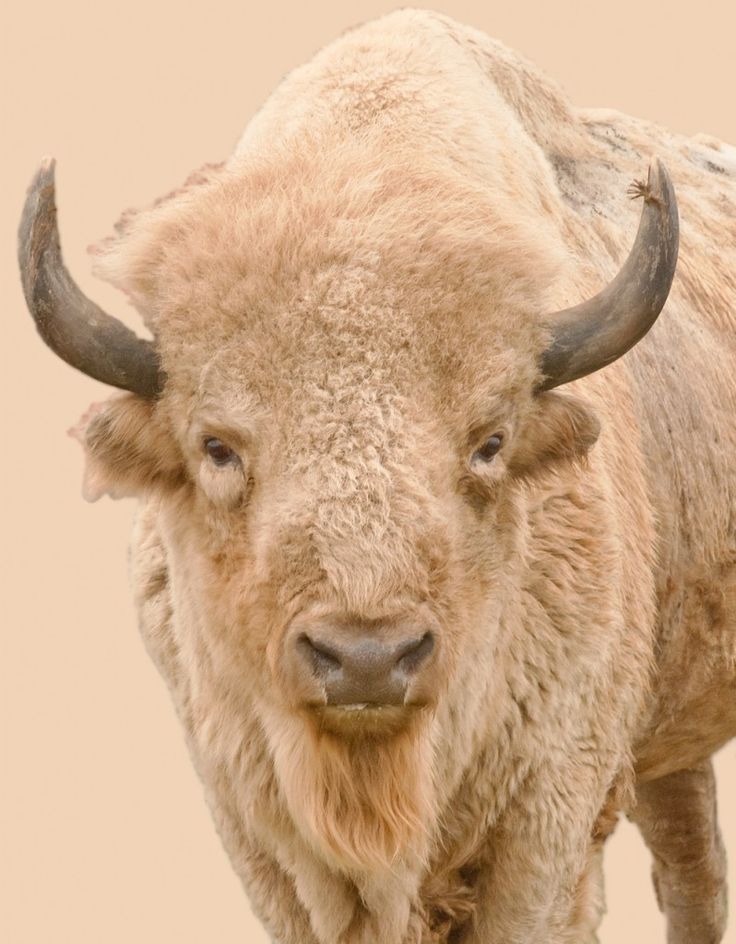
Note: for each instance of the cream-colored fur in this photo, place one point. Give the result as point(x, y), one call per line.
point(354, 302)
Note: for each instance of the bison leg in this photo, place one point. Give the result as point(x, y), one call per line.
point(676, 815)
point(590, 902)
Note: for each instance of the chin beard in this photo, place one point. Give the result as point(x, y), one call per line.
point(364, 805)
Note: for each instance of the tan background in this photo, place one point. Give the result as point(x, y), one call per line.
point(105, 835)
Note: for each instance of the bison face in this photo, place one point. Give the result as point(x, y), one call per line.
point(345, 526)
point(342, 537)
point(335, 435)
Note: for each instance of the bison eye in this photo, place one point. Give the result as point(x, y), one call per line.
point(219, 452)
point(489, 448)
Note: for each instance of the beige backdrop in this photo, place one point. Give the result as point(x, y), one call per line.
point(106, 837)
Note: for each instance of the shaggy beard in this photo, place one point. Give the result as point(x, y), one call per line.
point(364, 805)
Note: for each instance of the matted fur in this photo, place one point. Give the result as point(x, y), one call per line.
point(354, 302)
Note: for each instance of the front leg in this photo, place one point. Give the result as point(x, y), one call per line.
point(543, 882)
point(676, 815)
point(566, 912)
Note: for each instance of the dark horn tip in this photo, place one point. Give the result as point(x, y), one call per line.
point(44, 177)
point(653, 188)
point(39, 204)
point(47, 165)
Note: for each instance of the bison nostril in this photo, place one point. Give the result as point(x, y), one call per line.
point(415, 653)
point(322, 658)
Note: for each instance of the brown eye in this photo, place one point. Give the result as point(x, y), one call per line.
point(219, 452)
point(489, 448)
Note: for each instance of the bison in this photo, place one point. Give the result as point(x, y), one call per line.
point(436, 595)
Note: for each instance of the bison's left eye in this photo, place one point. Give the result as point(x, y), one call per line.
point(220, 453)
point(489, 448)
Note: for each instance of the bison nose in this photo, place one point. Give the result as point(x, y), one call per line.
point(359, 668)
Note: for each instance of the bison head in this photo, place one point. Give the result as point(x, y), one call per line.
point(349, 391)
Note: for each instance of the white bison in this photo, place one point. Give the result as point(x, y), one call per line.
point(435, 595)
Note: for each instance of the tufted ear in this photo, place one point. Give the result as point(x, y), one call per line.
point(128, 449)
point(561, 429)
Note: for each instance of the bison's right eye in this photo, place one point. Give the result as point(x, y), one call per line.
point(220, 453)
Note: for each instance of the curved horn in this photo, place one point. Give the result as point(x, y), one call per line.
point(597, 332)
point(73, 326)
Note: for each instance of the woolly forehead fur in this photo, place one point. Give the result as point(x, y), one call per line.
point(301, 265)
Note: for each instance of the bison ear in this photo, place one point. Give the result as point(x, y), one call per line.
point(128, 449)
point(561, 429)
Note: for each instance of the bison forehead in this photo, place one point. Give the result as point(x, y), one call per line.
point(348, 360)
point(312, 254)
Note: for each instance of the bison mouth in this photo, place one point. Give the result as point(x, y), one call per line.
point(366, 719)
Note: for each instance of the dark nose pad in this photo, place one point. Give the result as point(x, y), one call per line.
point(363, 669)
